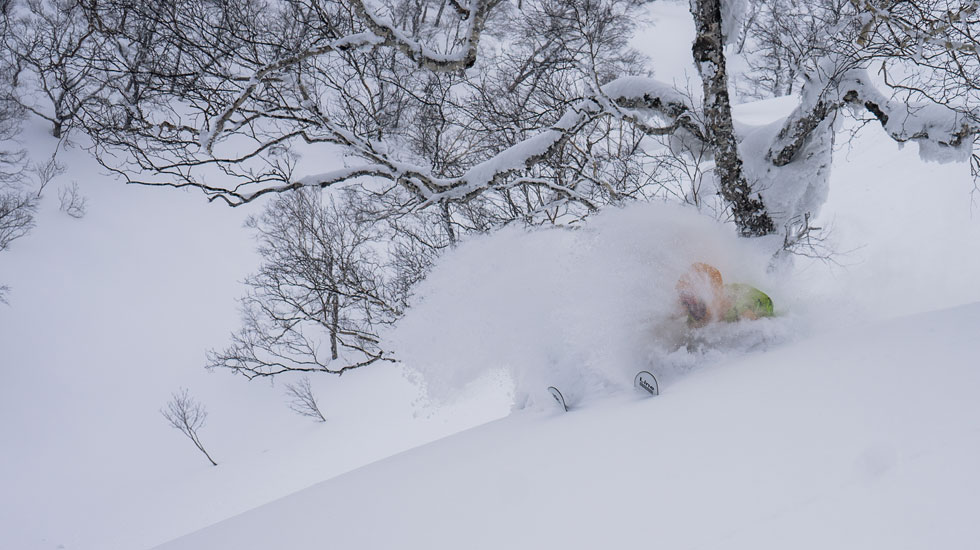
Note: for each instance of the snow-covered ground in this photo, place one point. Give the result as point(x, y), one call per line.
point(850, 430)
point(108, 316)
point(859, 439)
point(111, 313)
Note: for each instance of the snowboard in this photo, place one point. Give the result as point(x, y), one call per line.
point(558, 397)
point(647, 382)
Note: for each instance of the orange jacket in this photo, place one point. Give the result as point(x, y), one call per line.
point(702, 293)
point(706, 298)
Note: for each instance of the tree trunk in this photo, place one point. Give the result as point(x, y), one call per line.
point(335, 320)
point(749, 212)
point(447, 220)
point(334, 301)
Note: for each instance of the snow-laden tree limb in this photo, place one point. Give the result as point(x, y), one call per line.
point(379, 33)
point(476, 16)
point(208, 135)
point(629, 98)
point(940, 131)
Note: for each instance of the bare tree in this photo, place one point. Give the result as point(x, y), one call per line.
point(45, 172)
point(783, 40)
point(17, 210)
point(303, 401)
point(53, 47)
point(319, 297)
point(187, 415)
point(17, 204)
point(330, 74)
point(72, 202)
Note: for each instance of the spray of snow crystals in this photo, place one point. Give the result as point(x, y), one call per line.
point(579, 309)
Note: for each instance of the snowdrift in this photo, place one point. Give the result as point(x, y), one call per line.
point(863, 439)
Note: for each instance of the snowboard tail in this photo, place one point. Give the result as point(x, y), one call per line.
point(646, 381)
point(558, 397)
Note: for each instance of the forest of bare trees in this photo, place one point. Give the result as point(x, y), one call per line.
point(376, 135)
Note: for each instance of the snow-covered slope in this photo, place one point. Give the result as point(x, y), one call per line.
point(863, 439)
point(108, 315)
point(111, 313)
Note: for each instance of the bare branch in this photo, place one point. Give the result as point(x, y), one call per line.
point(72, 202)
point(303, 401)
point(187, 415)
point(476, 16)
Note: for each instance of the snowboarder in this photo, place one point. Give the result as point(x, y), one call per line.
point(706, 298)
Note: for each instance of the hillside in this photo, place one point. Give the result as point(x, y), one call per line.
point(111, 313)
point(863, 439)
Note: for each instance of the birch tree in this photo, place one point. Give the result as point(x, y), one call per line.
point(320, 296)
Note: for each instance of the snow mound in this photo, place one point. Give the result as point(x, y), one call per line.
point(580, 309)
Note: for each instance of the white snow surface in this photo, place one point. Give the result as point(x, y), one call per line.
point(108, 316)
point(857, 439)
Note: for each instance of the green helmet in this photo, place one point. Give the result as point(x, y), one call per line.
point(747, 302)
